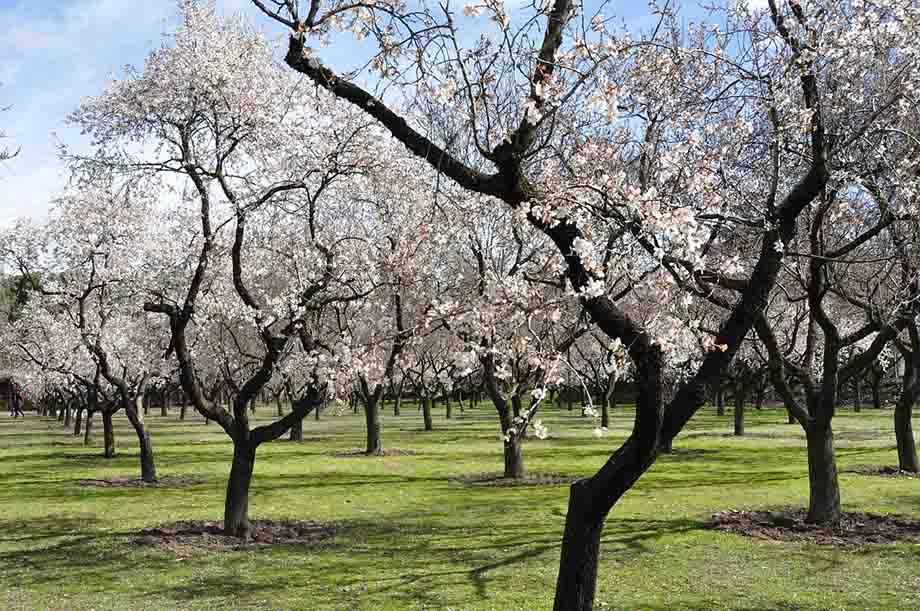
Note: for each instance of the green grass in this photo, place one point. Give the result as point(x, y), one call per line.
point(414, 538)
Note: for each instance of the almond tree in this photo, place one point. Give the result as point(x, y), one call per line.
point(751, 103)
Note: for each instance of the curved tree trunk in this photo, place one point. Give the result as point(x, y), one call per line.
point(148, 463)
point(108, 434)
point(824, 489)
point(372, 422)
point(236, 504)
point(903, 428)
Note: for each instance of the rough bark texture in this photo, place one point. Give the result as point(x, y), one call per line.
point(78, 422)
point(108, 434)
point(236, 506)
point(514, 458)
point(88, 430)
point(426, 414)
point(148, 463)
point(372, 424)
point(720, 402)
point(297, 431)
point(824, 489)
point(903, 428)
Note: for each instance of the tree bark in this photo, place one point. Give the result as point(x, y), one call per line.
point(108, 434)
point(67, 416)
point(397, 404)
point(605, 412)
point(164, 407)
point(297, 431)
point(183, 405)
point(739, 410)
point(877, 393)
point(514, 457)
point(426, 413)
point(720, 402)
point(236, 505)
point(904, 432)
point(824, 489)
point(88, 430)
point(857, 395)
point(148, 463)
point(78, 422)
point(448, 407)
point(372, 421)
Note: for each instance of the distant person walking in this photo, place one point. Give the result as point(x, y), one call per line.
point(16, 402)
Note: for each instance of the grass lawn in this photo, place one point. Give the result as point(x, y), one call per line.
point(413, 537)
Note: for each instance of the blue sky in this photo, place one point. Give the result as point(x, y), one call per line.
point(55, 52)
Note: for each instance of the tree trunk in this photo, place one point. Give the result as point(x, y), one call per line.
point(605, 412)
point(857, 395)
point(448, 407)
point(148, 464)
point(666, 445)
point(397, 404)
point(824, 489)
point(108, 434)
point(720, 402)
point(518, 409)
point(236, 506)
point(146, 402)
point(426, 414)
point(904, 432)
point(60, 412)
point(78, 422)
point(297, 431)
point(877, 393)
point(581, 544)
point(761, 391)
point(67, 416)
point(164, 407)
point(739, 410)
point(372, 420)
point(514, 458)
point(183, 405)
point(88, 430)
point(790, 417)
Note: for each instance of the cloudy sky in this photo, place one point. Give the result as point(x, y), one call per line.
point(55, 52)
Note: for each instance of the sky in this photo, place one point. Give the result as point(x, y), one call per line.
point(53, 53)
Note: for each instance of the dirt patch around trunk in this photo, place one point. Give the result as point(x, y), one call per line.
point(380, 454)
point(195, 535)
point(498, 480)
point(854, 529)
point(169, 481)
point(882, 471)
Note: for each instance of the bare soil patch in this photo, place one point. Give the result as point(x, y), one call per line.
point(196, 535)
point(853, 530)
point(363, 454)
point(168, 481)
point(882, 471)
point(498, 480)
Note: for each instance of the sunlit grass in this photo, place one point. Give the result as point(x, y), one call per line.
point(415, 538)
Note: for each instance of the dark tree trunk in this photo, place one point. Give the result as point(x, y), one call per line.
point(426, 414)
point(904, 432)
point(857, 395)
point(605, 412)
point(280, 408)
point(297, 431)
point(877, 393)
point(518, 409)
point(67, 416)
point(761, 391)
point(790, 417)
point(108, 434)
point(514, 458)
point(88, 430)
point(448, 407)
point(372, 421)
point(236, 506)
point(720, 402)
point(78, 422)
point(60, 412)
point(146, 402)
point(739, 410)
point(148, 464)
point(183, 405)
point(824, 489)
point(581, 542)
point(164, 407)
point(397, 404)
point(252, 405)
point(666, 445)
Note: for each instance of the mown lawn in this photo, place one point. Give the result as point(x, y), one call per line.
point(413, 537)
